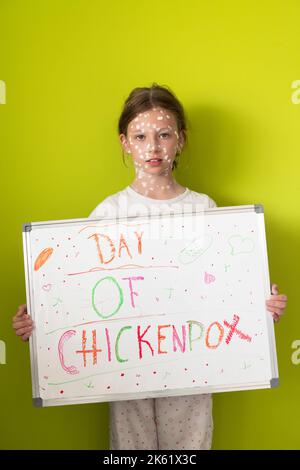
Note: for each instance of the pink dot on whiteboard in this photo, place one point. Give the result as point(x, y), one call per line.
point(108, 387)
point(61, 391)
point(154, 372)
point(185, 368)
point(206, 364)
point(194, 381)
point(165, 386)
point(137, 384)
point(122, 375)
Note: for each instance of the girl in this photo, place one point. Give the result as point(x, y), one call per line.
point(152, 129)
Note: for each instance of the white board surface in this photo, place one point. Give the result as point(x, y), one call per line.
point(149, 306)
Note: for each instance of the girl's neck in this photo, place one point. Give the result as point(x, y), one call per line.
point(157, 187)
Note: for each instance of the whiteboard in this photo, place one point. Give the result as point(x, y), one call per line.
point(139, 307)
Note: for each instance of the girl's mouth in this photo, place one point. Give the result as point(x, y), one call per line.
point(154, 161)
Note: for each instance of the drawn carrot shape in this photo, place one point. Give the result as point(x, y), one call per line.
point(42, 258)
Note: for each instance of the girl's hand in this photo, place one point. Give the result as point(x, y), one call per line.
point(22, 323)
point(276, 304)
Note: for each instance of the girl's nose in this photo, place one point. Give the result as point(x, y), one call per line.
point(154, 143)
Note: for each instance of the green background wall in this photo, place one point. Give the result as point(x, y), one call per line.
point(68, 66)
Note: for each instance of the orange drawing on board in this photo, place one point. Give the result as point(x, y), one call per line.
point(42, 258)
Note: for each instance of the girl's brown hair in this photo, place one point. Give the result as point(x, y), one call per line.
point(146, 98)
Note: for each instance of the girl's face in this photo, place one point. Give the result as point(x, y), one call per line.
point(153, 140)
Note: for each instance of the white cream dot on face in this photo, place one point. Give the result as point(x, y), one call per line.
point(159, 118)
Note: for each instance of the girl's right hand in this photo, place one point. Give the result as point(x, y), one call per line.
point(22, 323)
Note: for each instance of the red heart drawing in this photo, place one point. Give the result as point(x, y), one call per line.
point(208, 278)
point(47, 287)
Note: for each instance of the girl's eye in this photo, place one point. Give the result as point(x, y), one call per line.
point(140, 136)
point(165, 134)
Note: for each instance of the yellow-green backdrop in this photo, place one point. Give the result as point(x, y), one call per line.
point(68, 66)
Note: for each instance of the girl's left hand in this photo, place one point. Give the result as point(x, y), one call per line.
point(276, 304)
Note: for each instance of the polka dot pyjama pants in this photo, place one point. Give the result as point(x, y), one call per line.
point(168, 423)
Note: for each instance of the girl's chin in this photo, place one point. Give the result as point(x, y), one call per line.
point(161, 168)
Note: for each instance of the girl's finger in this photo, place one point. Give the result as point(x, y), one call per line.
point(25, 336)
point(21, 324)
point(276, 303)
point(278, 297)
point(22, 331)
point(274, 289)
point(277, 311)
point(22, 310)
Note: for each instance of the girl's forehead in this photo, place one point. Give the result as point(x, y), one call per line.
point(156, 116)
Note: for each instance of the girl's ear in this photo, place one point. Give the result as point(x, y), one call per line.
point(181, 141)
point(124, 143)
